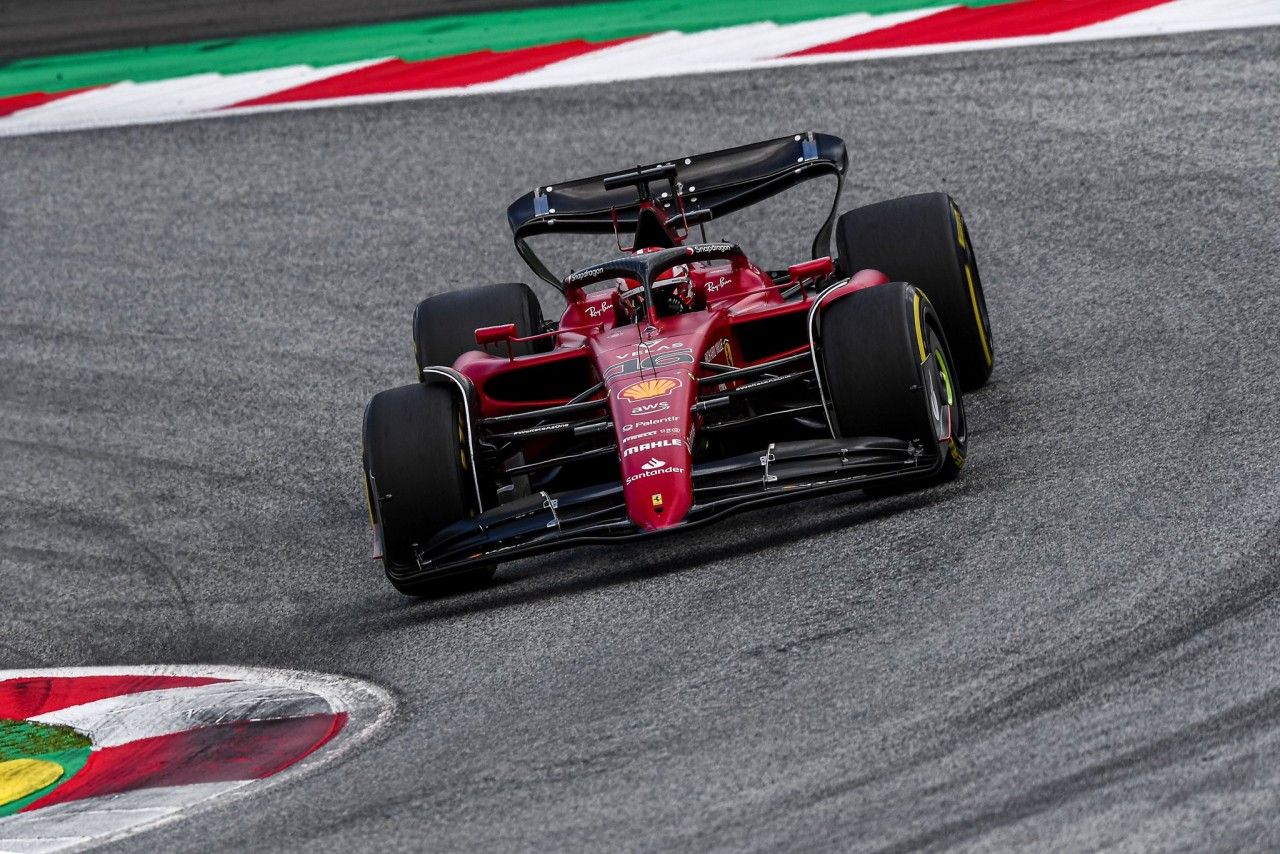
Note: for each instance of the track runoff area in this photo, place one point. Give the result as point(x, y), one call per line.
point(559, 46)
point(93, 754)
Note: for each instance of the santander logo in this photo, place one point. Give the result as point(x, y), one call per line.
point(653, 465)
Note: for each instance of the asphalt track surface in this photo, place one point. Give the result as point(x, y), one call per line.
point(1073, 646)
point(31, 28)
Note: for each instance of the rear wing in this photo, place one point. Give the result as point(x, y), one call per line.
point(718, 183)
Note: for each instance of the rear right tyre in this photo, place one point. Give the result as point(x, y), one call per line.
point(444, 325)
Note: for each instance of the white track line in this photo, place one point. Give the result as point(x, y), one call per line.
point(147, 714)
point(670, 53)
point(1188, 15)
point(1261, 13)
point(1179, 16)
point(79, 822)
point(179, 98)
point(739, 48)
point(93, 821)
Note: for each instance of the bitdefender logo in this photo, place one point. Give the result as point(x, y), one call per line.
point(654, 464)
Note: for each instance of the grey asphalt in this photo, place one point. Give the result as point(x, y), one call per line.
point(1074, 646)
point(40, 27)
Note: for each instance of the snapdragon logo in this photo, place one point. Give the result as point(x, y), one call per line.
point(584, 274)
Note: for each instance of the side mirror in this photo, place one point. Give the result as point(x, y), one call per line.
point(811, 269)
point(494, 334)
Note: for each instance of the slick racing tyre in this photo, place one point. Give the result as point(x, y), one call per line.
point(418, 478)
point(923, 240)
point(888, 372)
point(444, 325)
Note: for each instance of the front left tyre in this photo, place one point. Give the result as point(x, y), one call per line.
point(889, 372)
point(418, 479)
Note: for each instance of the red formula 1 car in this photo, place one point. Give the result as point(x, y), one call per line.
point(682, 382)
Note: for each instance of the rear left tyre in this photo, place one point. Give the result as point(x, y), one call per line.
point(418, 479)
point(923, 240)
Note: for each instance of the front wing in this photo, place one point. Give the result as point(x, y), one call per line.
point(781, 472)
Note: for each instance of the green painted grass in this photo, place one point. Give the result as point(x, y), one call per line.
point(427, 38)
point(27, 740)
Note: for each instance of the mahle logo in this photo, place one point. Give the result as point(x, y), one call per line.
point(651, 446)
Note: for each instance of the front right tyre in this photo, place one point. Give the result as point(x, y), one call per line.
point(418, 479)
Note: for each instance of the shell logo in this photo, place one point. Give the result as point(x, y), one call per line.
point(646, 389)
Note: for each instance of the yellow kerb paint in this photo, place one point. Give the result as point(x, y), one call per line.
point(22, 777)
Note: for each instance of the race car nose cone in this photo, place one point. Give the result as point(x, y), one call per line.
point(652, 418)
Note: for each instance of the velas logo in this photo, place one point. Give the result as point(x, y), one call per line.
point(646, 389)
point(89, 753)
